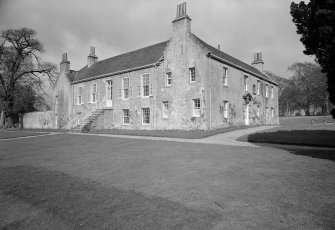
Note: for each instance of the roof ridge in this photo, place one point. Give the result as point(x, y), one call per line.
point(159, 43)
point(252, 69)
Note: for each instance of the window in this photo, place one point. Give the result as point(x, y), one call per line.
point(166, 109)
point(109, 90)
point(225, 76)
point(258, 87)
point(246, 83)
point(272, 113)
point(145, 85)
point(146, 116)
point(80, 95)
point(126, 116)
point(196, 107)
point(258, 111)
point(168, 79)
point(254, 89)
point(225, 109)
point(267, 112)
point(192, 74)
point(125, 86)
point(94, 93)
point(271, 91)
point(266, 91)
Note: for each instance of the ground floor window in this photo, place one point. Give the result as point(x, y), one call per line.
point(196, 107)
point(166, 109)
point(225, 109)
point(126, 116)
point(272, 113)
point(146, 116)
point(258, 111)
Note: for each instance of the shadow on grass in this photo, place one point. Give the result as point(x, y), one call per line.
point(306, 138)
point(80, 203)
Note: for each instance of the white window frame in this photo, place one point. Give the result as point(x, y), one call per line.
point(109, 86)
point(266, 91)
point(94, 93)
point(225, 76)
point(245, 82)
point(143, 87)
point(225, 109)
point(166, 109)
point(272, 92)
point(124, 117)
point(192, 74)
point(258, 87)
point(168, 79)
point(272, 113)
point(124, 90)
point(80, 95)
point(144, 116)
point(267, 113)
point(196, 107)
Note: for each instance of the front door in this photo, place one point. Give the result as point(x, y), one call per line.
point(246, 114)
point(109, 93)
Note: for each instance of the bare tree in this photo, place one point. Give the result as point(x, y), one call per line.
point(20, 66)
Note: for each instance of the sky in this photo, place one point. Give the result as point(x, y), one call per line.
point(241, 27)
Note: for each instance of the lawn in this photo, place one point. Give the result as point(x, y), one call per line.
point(14, 134)
point(69, 181)
point(297, 131)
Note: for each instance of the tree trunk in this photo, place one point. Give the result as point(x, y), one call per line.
point(2, 119)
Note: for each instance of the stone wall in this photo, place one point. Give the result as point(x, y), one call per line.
point(39, 120)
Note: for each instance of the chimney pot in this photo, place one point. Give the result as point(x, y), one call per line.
point(92, 58)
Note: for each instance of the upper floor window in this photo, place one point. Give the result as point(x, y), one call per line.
point(254, 89)
point(109, 90)
point(225, 76)
point(166, 109)
point(145, 116)
point(196, 107)
point(192, 74)
point(271, 91)
point(246, 83)
point(266, 90)
point(94, 93)
point(145, 85)
point(80, 95)
point(125, 87)
point(225, 109)
point(258, 87)
point(168, 79)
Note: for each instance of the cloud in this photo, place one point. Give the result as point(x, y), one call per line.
point(113, 27)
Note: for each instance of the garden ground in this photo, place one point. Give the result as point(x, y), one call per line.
point(70, 181)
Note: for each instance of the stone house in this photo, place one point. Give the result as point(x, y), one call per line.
point(181, 83)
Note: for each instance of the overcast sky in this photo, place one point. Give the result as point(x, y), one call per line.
point(241, 27)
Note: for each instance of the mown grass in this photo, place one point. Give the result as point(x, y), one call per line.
point(11, 134)
point(69, 181)
point(61, 201)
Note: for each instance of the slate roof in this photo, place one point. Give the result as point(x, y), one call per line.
point(141, 57)
point(233, 60)
point(71, 76)
point(146, 56)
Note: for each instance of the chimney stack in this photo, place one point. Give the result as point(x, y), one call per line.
point(181, 25)
point(64, 64)
point(92, 58)
point(258, 61)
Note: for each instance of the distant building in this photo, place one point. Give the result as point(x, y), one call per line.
point(181, 83)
